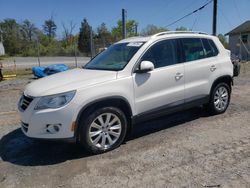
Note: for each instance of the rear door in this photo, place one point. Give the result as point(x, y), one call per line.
point(199, 58)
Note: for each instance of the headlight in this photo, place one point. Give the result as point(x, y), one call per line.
point(55, 101)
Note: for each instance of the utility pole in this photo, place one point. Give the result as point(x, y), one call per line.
point(215, 18)
point(136, 29)
point(124, 34)
point(75, 51)
point(91, 42)
point(38, 52)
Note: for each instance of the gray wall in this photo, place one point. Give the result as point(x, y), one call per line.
point(237, 47)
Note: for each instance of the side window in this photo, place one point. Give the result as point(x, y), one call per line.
point(215, 49)
point(193, 49)
point(162, 53)
point(209, 52)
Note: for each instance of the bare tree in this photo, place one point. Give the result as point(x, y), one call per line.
point(68, 32)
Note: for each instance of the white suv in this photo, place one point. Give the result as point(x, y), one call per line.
point(134, 80)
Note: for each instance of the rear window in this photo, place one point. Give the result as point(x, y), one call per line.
point(209, 51)
point(215, 49)
point(197, 48)
point(193, 49)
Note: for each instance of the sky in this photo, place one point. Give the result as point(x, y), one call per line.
point(231, 13)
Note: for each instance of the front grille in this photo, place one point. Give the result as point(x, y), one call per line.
point(25, 126)
point(25, 102)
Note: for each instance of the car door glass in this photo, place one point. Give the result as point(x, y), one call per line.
point(162, 54)
point(215, 49)
point(193, 49)
point(209, 52)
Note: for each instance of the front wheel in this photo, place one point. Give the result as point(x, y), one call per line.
point(103, 130)
point(219, 99)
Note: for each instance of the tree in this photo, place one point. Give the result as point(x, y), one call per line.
point(181, 28)
point(84, 37)
point(28, 30)
point(223, 40)
point(49, 28)
point(104, 35)
point(152, 29)
point(130, 29)
point(67, 33)
point(11, 36)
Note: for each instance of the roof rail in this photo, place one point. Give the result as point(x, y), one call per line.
point(176, 32)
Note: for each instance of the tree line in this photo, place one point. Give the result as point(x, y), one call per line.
point(25, 39)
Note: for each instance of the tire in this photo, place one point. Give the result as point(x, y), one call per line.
point(219, 99)
point(103, 130)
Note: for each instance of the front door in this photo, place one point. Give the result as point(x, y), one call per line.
point(164, 86)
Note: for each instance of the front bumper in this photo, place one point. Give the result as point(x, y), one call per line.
point(38, 123)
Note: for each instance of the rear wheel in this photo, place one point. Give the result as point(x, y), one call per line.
point(104, 129)
point(219, 99)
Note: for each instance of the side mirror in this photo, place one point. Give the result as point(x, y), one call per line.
point(145, 66)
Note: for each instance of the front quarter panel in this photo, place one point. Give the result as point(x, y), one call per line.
point(122, 87)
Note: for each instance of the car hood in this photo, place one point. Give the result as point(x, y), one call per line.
point(67, 81)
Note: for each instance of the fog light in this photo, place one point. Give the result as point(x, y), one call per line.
point(53, 128)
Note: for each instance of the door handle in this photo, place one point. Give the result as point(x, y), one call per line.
point(178, 76)
point(213, 68)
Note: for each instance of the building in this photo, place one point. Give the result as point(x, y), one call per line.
point(239, 41)
point(2, 51)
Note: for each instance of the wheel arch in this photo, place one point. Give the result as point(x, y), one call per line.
point(116, 101)
point(226, 79)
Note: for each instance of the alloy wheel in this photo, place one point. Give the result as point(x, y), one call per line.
point(221, 98)
point(105, 130)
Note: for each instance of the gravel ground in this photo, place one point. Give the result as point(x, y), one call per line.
point(187, 149)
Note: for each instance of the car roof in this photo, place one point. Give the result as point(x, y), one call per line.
point(167, 34)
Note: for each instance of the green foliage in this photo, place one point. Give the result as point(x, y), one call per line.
point(223, 40)
point(103, 36)
point(152, 29)
point(11, 36)
point(25, 39)
point(130, 29)
point(28, 30)
point(49, 28)
point(84, 37)
point(181, 28)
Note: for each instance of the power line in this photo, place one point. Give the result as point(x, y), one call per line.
point(202, 7)
point(236, 7)
point(195, 21)
point(224, 16)
point(182, 10)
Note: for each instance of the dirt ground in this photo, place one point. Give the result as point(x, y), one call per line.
point(186, 149)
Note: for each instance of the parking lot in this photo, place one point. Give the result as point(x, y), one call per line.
point(186, 149)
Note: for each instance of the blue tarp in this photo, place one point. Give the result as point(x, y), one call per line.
point(46, 71)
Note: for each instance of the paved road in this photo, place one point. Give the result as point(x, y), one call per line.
point(28, 62)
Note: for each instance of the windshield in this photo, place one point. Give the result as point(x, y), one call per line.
point(115, 58)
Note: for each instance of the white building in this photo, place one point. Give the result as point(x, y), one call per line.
point(2, 51)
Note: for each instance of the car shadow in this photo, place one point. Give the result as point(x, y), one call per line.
point(18, 149)
point(165, 122)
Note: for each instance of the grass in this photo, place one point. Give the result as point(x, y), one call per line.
point(19, 72)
